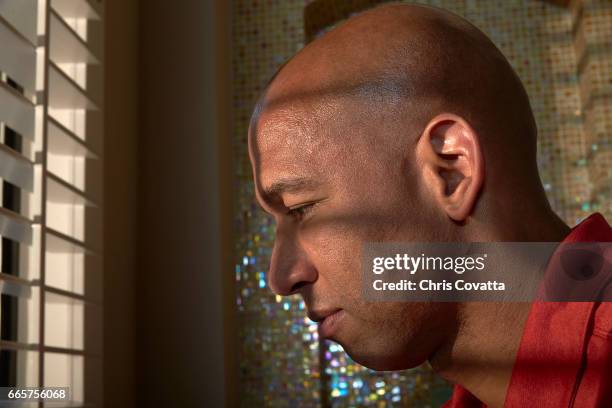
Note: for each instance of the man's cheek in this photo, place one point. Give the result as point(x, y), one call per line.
point(330, 239)
point(334, 252)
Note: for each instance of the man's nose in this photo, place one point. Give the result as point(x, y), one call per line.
point(290, 268)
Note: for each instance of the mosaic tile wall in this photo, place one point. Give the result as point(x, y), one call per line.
point(563, 56)
point(593, 44)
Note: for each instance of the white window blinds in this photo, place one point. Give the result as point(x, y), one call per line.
point(50, 194)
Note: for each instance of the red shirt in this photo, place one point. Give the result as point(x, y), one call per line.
point(565, 355)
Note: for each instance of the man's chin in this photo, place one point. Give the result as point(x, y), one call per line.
point(382, 360)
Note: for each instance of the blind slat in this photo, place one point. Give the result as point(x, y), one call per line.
point(64, 93)
point(64, 142)
point(22, 15)
point(17, 346)
point(17, 58)
point(67, 46)
point(15, 227)
point(15, 289)
point(75, 9)
point(16, 169)
point(16, 111)
point(59, 191)
point(61, 243)
point(64, 296)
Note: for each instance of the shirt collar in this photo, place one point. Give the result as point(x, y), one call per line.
point(594, 228)
point(553, 345)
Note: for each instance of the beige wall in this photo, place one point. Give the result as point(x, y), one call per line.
point(179, 303)
point(169, 335)
point(121, 169)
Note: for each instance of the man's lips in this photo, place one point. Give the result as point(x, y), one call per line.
point(328, 320)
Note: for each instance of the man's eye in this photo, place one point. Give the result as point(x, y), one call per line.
point(301, 211)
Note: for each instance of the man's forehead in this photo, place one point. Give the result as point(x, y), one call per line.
point(290, 146)
point(286, 148)
point(294, 127)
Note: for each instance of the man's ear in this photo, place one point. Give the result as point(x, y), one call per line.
point(453, 164)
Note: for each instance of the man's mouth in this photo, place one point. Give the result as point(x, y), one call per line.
point(328, 321)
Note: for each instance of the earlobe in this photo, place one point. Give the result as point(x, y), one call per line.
point(452, 163)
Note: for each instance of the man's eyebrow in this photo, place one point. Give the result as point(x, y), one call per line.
point(290, 185)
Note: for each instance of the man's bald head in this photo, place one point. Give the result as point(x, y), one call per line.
point(418, 59)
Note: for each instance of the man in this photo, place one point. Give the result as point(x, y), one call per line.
point(406, 124)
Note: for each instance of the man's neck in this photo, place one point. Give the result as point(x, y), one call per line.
point(481, 355)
